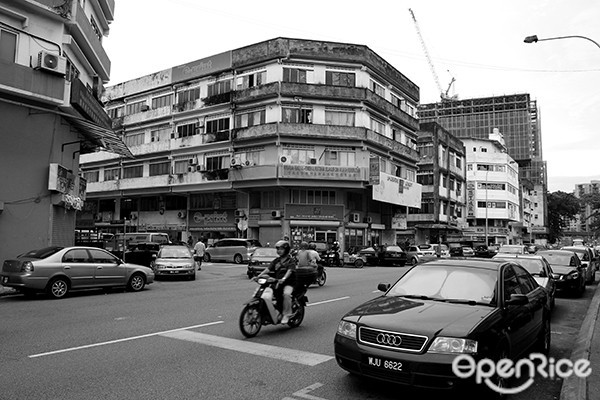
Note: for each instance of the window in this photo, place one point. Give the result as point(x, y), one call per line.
point(112, 174)
point(251, 80)
point(134, 139)
point(76, 256)
point(157, 135)
point(134, 108)
point(344, 118)
point(341, 157)
point(296, 115)
point(135, 171)
point(217, 125)
point(162, 101)
point(95, 27)
point(425, 150)
point(294, 75)
point(163, 168)
point(458, 162)
point(250, 118)
point(425, 180)
point(72, 72)
point(116, 112)
point(102, 257)
point(377, 88)
point(303, 196)
point(458, 188)
point(511, 283)
point(377, 126)
point(180, 166)
point(92, 176)
point(299, 154)
point(271, 199)
point(186, 130)
point(219, 88)
point(336, 78)
point(187, 95)
point(214, 163)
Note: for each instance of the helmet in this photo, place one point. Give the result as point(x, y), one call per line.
point(282, 244)
point(303, 245)
point(312, 246)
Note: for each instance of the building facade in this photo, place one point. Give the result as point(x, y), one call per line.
point(493, 196)
point(52, 69)
point(517, 117)
point(288, 137)
point(442, 174)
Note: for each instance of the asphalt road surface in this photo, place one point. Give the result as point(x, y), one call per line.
point(180, 340)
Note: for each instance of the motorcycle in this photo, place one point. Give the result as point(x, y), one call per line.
point(258, 312)
point(332, 259)
point(321, 276)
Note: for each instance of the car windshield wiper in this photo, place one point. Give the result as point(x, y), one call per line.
point(418, 296)
point(467, 301)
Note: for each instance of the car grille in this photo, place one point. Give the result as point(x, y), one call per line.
point(404, 341)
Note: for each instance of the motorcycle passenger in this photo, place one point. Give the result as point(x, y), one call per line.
point(315, 257)
point(306, 269)
point(282, 268)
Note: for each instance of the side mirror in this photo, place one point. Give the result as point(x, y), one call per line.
point(383, 287)
point(153, 256)
point(517, 300)
point(542, 274)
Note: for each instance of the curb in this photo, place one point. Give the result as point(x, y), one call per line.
point(573, 387)
point(6, 291)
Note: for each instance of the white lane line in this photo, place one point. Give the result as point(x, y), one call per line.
point(87, 346)
point(304, 393)
point(245, 346)
point(327, 301)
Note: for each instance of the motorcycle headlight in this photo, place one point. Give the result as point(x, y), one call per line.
point(262, 281)
point(347, 329)
point(453, 345)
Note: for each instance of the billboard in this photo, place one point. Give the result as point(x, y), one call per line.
point(395, 190)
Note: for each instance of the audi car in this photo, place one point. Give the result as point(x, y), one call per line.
point(412, 332)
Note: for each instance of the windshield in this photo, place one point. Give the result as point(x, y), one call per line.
point(174, 252)
point(42, 253)
point(265, 251)
point(532, 265)
point(445, 283)
point(557, 258)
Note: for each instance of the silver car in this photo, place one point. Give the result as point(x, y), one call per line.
point(174, 260)
point(57, 270)
point(236, 250)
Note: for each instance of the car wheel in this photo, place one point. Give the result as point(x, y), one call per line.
point(136, 282)
point(414, 261)
point(542, 344)
point(592, 277)
point(359, 263)
point(58, 288)
point(193, 276)
point(581, 288)
point(495, 380)
point(238, 259)
point(206, 257)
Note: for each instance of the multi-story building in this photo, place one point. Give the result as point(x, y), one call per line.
point(580, 226)
point(441, 173)
point(493, 199)
point(517, 117)
point(306, 139)
point(52, 68)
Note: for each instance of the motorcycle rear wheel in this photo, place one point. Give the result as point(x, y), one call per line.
point(298, 316)
point(250, 320)
point(321, 278)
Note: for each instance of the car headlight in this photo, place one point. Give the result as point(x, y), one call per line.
point(347, 329)
point(573, 275)
point(453, 345)
point(555, 276)
point(160, 266)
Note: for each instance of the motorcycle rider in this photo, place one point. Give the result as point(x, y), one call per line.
point(335, 249)
point(282, 268)
point(315, 257)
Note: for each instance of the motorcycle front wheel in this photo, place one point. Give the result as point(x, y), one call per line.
point(298, 315)
point(322, 278)
point(250, 320)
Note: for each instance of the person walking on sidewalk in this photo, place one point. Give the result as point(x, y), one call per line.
point(199, 249)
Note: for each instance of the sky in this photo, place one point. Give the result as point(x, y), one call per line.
point(479, 43)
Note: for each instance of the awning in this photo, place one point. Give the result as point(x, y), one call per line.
point(438, 227)
point(300, 222)
point(100, 136)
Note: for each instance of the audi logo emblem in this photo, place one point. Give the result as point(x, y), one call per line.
point(390, 340)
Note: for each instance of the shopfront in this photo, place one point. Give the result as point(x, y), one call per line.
point(315, 222)
point(213, 224)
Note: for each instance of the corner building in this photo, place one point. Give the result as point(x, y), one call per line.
point(306, 139)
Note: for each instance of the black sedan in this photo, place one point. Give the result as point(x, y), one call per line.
point(388, 255)
point(260, 259)
point(568, 272)
point(412, 334)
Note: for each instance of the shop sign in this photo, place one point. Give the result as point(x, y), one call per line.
point(399, 222)
point(314, 212)
point(202, 67)
point(374, 171)
point(212, 220)
point(321, 172)
point(470, 200)
point(394, 190)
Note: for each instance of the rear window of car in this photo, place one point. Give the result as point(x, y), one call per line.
point(42, 253)
point(265, 251)
point(175, 252)
point(253, 243)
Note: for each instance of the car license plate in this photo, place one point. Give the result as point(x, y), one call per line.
point(386, 364)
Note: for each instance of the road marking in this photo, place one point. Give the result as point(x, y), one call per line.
point(303, 393)
point(327, 301)
point(245, 346)
point(87, 346)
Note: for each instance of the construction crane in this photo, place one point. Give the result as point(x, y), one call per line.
point(444, 95)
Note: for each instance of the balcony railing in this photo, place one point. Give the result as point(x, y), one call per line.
point(31, 83)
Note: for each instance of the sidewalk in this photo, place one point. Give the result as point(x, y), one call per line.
point(587, 346)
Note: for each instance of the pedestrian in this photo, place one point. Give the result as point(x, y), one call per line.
point(190, 241)
point(199, 249)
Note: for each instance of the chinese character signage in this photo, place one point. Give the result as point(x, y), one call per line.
point(374, 171)
point(470, 200)
point(315, 212)
point(321, 172)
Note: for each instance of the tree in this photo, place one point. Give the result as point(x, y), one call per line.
point(592, 200)
point(562, 207)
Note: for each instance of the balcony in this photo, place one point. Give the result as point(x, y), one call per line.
point(256, 93)
point(147, 115)
point(80, 28)
point(33, 84)
point(218, 99)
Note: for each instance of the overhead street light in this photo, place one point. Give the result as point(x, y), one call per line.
point(535, 39)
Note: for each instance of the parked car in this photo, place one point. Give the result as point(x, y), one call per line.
point(420, 253)
point(568, 272)
point(442, 249)
point(353, 256)
point(174, 260)
point(455, 250)
point(468, 251)
point(141, 253)
point(58, 270)
point(539, 268)
point(513, 249)
point(392, 255)
point(413, 332)
point(484, 251)
point(260, 259)
point(236, 250)
point(588, 261)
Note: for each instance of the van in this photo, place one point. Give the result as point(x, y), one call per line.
point(116, 243)
point(236, 250)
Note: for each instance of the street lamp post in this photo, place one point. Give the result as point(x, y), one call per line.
point(486, 205)
point(535, 39)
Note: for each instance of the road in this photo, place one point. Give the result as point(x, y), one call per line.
point(180, 340)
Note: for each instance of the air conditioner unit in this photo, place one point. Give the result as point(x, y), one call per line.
point(368, 220)
point(355, 217)
point(276, 214)
point(239, 213)
point(144, 107)
point(248, 163)
point(181, 214)
point(200, 168)
point(312, 161)
point(193, 161)
point(191, 168)
point(51, 62)
point(235, 162)
point(285, 160)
